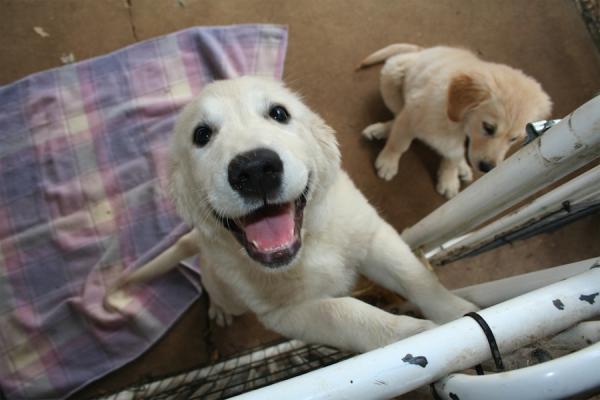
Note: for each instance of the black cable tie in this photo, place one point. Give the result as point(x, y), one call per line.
point(491, 341)
point(493, 348)
point(434, 392)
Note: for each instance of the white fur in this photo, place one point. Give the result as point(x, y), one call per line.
point(342, 234)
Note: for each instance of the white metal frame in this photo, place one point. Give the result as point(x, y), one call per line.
point(490, 293)
point(579, 190)
point(515, 322)
point(431, 355)
point(557, 379)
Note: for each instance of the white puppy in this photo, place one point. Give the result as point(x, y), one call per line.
point(283, 231)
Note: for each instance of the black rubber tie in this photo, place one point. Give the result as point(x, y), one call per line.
point(491, 341)
point(434, 392)
point(493, 348)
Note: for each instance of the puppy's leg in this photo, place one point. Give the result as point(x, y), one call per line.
point(345, 323)
point(398, 141)
point(378, 130)
point(224, 302)
point(464, 171)
point(185, 247)
point(448, 183)
point(391, 264)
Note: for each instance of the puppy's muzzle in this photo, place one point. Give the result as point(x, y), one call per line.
point(486, 166)
point(256, 174)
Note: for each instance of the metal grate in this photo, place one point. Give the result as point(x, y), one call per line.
point(244, 372)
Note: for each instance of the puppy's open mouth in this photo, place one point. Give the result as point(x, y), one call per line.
point(271, 234)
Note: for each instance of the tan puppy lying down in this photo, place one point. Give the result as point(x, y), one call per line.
point(281, 230)
point(445, 96)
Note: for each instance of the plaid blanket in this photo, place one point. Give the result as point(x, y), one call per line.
point(82, 176)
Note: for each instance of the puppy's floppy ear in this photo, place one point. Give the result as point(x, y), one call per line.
point(464, 94)
point(178, 192)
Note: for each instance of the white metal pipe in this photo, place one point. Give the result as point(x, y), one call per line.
point(428, 356)
point(562, 149)
point(575, 191)
point(581, 335)
point(490, 293)
point(562, 378)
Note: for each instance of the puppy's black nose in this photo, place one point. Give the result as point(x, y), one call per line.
point(256, 173)
point(486, 166)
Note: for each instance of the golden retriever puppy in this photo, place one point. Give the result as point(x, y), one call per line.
point(445, 97)
point(281, 230)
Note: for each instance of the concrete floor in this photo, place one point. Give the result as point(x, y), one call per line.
point(545, 38)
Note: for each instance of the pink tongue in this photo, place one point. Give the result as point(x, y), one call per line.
point(271, 231)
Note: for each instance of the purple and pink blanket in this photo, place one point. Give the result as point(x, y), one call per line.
point(82, 174)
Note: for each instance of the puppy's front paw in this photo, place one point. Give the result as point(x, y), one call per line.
point(116, 299)
point(448, 187)
point(377, 130)
point(387, 167)
point(451, 308)
point(220, 316)
point(465, 174)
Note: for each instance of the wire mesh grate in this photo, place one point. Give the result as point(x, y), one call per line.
point(242, 373)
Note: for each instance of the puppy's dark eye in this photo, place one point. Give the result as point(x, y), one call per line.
point(279, 114)
point(202, 135)
point(488, 128)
